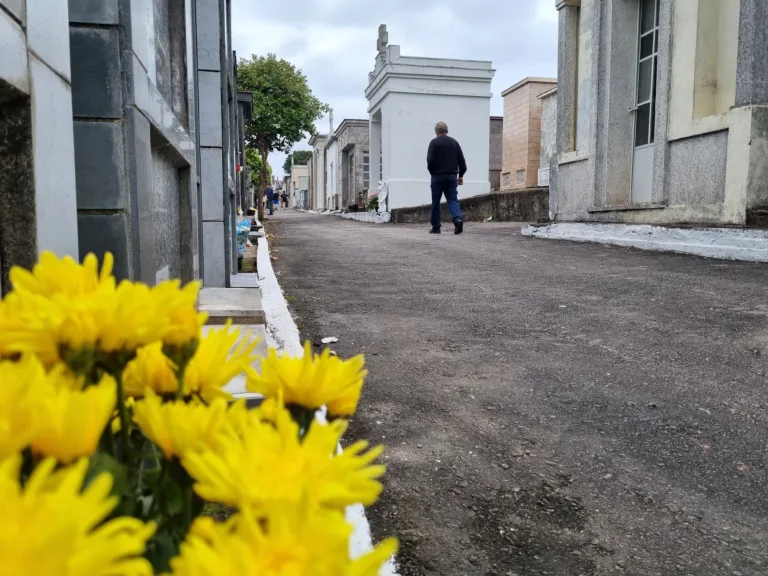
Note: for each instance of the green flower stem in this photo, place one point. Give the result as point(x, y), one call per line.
point(122, 411)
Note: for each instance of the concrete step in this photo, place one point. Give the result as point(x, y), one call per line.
point(242, 305)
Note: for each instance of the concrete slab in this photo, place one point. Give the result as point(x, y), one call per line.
point(244, 280)
point(242, 305)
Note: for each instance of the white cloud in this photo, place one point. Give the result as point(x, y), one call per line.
point(334, 41)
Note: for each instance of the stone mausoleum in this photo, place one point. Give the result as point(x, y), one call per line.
point(119, 132)
point(662, 112)
point(406, 97)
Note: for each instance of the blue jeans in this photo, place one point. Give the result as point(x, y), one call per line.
point(447, 184)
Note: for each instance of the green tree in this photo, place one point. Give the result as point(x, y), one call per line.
point(255, 164)
point(299, 157)
point(284, 107)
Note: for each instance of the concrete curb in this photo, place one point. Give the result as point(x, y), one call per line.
point(283, 334)
point(370, 217)
point(727, 243)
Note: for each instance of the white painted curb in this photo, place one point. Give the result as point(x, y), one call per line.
point(283, 334)
point(726, 243)
point(370, 217)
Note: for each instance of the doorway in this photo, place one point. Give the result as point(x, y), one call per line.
point(645, 102)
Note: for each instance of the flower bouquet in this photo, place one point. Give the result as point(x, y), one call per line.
point(116, 432)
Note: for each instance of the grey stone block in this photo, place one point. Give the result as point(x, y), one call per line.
point(100, 165)
point(96, 90)
point(214, 272)
point(94, 11)
point(208, 45)
point(212, 181)
point(101, 233)
point(210, 109)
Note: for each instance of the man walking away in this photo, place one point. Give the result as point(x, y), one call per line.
point(271, 200)
point(446, 164)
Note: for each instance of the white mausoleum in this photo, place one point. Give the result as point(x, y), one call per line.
point(407, 96)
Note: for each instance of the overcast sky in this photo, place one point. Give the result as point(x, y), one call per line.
point(334, 41)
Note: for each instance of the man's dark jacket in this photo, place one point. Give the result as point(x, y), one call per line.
point(445, 157)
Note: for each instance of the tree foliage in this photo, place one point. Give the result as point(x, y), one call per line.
point(284, 107)
point(255, 164)
point(299, 157)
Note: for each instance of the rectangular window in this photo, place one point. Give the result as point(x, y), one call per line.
point(366, 170)
point(506, 180)
point(645, 109)
point(521, 176)
point(351, 176)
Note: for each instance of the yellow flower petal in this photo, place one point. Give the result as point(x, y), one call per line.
point(218, 359)
point(264, 463)
point(178, 428)
point(286, 540)
point(150, 369)
point(76, 418)
point(310, 381)
point(53, 526)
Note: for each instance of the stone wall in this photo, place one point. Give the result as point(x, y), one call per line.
point(511, 206)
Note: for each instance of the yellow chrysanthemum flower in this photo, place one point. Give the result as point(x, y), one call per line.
point(263, 462)
point(62, 305)
point(64, 276)
point(75, 418)
point(217, 361)
point(178, 428)
point(54, 526)
point(311, 381)
point(23, 390)
point(286, 541)
point(180, 306)
point(150, 369)
point(29, 324)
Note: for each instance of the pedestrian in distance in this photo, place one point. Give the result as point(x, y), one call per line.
point(447, 166)
point(271, 200)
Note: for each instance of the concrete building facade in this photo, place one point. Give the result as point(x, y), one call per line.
point(662, 112)
point(299, 186)
point(522, 133)
point(496, 151)
point(406, 97)
point(351, 159)
point(332, 178)
point(317, 171)
point(548, 134)
point(146, 165)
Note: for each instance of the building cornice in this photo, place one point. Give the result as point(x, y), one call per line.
point(529, 80)
point(560, 4)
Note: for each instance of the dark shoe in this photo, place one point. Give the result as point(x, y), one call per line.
point(435, 231)
point(458, 226)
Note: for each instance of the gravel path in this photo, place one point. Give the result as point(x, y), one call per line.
point(548, 407)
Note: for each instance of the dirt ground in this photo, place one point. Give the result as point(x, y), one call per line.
point(547, 407)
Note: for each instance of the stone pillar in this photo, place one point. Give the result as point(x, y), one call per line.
point(37, 180)
point(752, 92)
point(752, 66)
point(375, 153)
point(213, 176)
point(567, 73)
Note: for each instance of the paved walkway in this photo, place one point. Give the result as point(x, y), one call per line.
point(548, 407)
